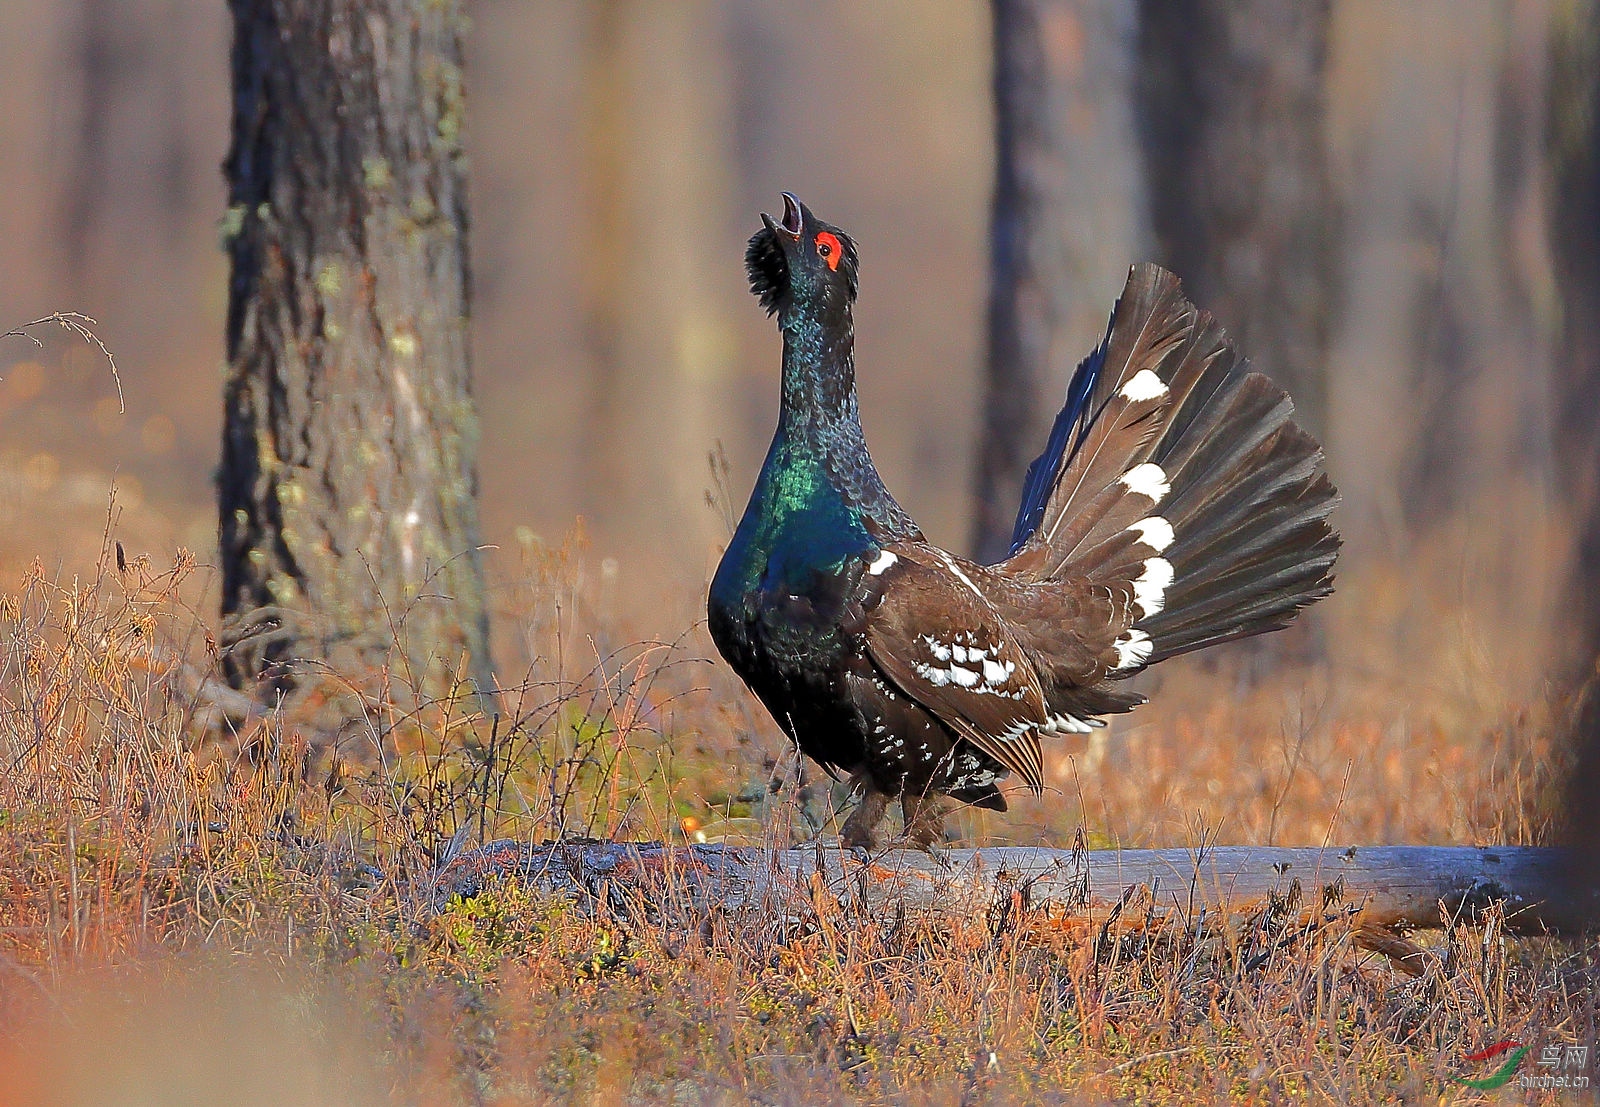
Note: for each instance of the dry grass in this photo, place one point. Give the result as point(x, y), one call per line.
point(193, 909)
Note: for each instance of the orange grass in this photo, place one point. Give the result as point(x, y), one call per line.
point(236, 908)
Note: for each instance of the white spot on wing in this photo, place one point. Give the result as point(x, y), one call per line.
point(964, 677)
point(1143, 385)
point(1014, 732)
point(989, 680)
point(1068, 724)
point(949, 563)
point(1148, 479)
point(996, 673)
point(1154, 531)
point(882, 563)
point(1150, 590)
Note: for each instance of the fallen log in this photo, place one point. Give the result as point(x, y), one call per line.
point(1384, 886)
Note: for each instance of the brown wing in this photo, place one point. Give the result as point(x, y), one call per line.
point(1081, 632)
point(936, 635)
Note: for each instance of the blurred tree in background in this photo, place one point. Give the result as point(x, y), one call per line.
point(1573, 150)
point(1065, 224)
point(1229, 167)
point(1573, 153)
point(347, 486)
point(1231, 111)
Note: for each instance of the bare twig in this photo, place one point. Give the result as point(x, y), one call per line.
point(78, 324)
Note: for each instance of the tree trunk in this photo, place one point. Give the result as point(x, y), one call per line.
point(1573, 150)
point(607, 241)
point(349, 533)
point(1066, 224)
point(1383, 885)
point(102, 49)
point(1231, 109)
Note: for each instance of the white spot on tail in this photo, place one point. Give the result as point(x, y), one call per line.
point(1143, 385)
point(882, 563)
point(1154, 531)
point(1150, 590)
point(1133, 649)
point(940, 651)
point(1148, 479)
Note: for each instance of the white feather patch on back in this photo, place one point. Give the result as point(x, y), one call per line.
point(1147, 479)
point(1154, 531)
point(1143, 385)
point(882, 563)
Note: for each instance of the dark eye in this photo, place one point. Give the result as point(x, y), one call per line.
point(824, 249)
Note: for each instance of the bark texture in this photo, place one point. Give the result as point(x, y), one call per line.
point(1066, 223)
point(347, 488)
point(1231, 110)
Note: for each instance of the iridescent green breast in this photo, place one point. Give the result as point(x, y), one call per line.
point(797, 528)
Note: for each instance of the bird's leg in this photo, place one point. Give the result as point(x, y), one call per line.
point(858, 829)
point(924, 819)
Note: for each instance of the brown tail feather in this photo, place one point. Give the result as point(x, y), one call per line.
point(1183, 457)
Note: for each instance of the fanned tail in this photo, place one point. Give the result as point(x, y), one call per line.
point(1177, 472)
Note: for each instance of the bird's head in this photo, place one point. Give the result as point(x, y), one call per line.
point(800, 263)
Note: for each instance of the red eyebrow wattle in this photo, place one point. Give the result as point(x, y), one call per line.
point(826, 238)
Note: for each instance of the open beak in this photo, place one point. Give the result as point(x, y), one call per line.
point(790, 226)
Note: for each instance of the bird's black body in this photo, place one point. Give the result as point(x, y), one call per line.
point(1175, 505)
point(793, 588)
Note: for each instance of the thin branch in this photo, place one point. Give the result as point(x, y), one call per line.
point(78, 324)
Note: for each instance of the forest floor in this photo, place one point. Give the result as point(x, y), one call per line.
point(198, 906)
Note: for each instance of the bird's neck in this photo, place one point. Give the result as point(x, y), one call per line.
point(819, 386)
point(819, 426)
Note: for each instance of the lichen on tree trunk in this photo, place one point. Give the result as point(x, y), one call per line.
point(347, 489)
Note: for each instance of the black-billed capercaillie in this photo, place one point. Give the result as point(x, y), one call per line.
point(1176, 505)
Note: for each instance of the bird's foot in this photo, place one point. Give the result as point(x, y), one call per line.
point(924, 824)
point(859, 830)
